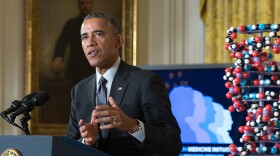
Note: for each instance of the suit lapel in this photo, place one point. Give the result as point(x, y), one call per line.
point(118, 89)
point(93, 90)
point(119, 85)
point(90, 91)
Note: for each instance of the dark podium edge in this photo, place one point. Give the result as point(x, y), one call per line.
point(84, 147)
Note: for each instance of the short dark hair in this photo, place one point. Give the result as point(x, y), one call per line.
point(109, 19)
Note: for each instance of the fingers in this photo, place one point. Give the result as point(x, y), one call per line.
point(81, 122)
point(89, 141)
point(113, 102)
point(104, 116)
point(106, 110)
point(93, 117)
point(107, 119)
point(109, 114)
point(114, 119)
point(102, 112)
point(111, 122)
point(109, 126)
point(82, 126)
point(87, 129)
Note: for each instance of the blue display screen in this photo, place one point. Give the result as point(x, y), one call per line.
point(197, 94)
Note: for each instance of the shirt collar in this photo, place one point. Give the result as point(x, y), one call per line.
point(110, 73)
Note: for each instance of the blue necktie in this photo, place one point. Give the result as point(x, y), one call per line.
point(101, 99)
point(102, 92)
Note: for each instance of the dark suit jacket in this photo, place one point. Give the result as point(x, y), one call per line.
point(141, 95)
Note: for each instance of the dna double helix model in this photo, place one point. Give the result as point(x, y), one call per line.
point(253, 85)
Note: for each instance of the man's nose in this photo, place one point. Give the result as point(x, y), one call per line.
point(91, 42)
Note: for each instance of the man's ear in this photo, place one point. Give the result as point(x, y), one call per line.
point(120, 40)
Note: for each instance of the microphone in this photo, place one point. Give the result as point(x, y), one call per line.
point(16, 105)
point(28, 105)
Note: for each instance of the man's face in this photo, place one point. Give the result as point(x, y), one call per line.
point(100, 44)
point(85, 6)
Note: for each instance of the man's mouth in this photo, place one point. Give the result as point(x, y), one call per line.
point(92, 53)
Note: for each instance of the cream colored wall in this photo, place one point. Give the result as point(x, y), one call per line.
point(169, 32)
point(11, 57)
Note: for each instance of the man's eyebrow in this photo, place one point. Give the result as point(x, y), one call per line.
point(95, 31)
point(98, 31)
point(84, 34)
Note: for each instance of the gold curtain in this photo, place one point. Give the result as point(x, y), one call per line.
point(219, 15)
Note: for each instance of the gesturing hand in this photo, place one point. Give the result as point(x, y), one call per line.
point(115, 116)
point(88, 131)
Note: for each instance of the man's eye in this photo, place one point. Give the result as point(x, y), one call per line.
point(83, 38)
point(98, 34)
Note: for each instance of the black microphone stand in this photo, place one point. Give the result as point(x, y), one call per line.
point(24, 123)
point(23, 120)
point(27, 105)
point(12, 123)
point(4, 116)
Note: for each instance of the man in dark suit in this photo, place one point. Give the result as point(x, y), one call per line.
point(137, 119)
